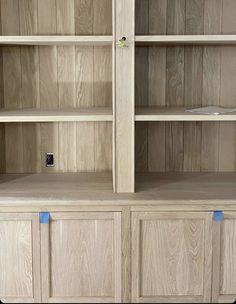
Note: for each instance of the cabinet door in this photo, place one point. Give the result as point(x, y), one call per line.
point(171, 257)
point(19, 258)
point(81, 257)
point(224, 259)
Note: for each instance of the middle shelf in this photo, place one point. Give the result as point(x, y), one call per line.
point(177, 114)
point(57, 115)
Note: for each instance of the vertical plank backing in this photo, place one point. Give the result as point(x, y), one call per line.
point(211, 86)
point(2, 126)
point(47, 25)
point(102, 84)
point(30, 87)
point(84, 85)
point(141, 85)
point(193, 84)
point(157, 86)
point(66, 86)
point(175, 85)
point(124, 137)
point(227, 131)
point(12, 86)
point(103, 97)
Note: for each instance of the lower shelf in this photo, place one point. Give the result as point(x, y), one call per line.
point(187, 186)
point(160, 189)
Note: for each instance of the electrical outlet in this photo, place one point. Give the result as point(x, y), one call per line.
point(50, 160)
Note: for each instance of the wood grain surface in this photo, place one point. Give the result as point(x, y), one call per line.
point(84, 258)
point(171, 257)
point(19, 258)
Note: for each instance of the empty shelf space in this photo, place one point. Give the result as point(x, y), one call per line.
point(177, 114)
point(186, 39)
point(192, 187)
point(55, 40)
point(59, 115)
point(61, 186)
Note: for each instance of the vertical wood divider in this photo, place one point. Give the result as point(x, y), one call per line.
point(124, 96)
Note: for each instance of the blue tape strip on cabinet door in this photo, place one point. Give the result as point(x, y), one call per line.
point(44, 217)
point(218, 216)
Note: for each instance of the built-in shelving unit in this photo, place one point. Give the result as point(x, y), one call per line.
point(110, 191)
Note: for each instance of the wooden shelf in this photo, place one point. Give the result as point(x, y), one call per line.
point(167, 191)
point(56, 40)
point(58, 115)
point(189, 187)
point(177, 114)
point(186, 39)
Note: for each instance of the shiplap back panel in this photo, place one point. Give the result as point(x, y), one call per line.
point(188, 76)
point(56, 77)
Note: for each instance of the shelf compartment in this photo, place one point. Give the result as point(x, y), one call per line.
point(56, 40)
point(186, 39)
point(58, 115)
point(177, 114)
point(43, 185)
point(189, 187)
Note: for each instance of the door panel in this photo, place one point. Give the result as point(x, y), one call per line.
point(19, 258)
point(224, 259)
point(81, 253)
point(171, 257)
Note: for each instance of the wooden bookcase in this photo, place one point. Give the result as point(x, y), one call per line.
point(136, 178)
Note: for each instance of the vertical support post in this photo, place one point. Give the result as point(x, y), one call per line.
point(124, 95)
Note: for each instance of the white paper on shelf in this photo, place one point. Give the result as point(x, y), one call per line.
point(211, 110)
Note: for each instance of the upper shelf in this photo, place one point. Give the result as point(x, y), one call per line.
point(58, 115)
point(177, 114)
point(186, 39)
point(56, 40)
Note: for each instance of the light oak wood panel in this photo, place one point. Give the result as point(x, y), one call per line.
point(91, 242)
point(19, 258)
point(82, 14)
point(124, 94)
point(171, 257)
point(223, 288)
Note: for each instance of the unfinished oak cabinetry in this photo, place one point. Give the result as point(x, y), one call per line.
point(94, 134)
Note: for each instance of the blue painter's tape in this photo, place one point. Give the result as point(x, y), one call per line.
point(44, 217)
point(218, 216)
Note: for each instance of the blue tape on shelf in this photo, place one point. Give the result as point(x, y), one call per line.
point(218, 216)
point(44, 217)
